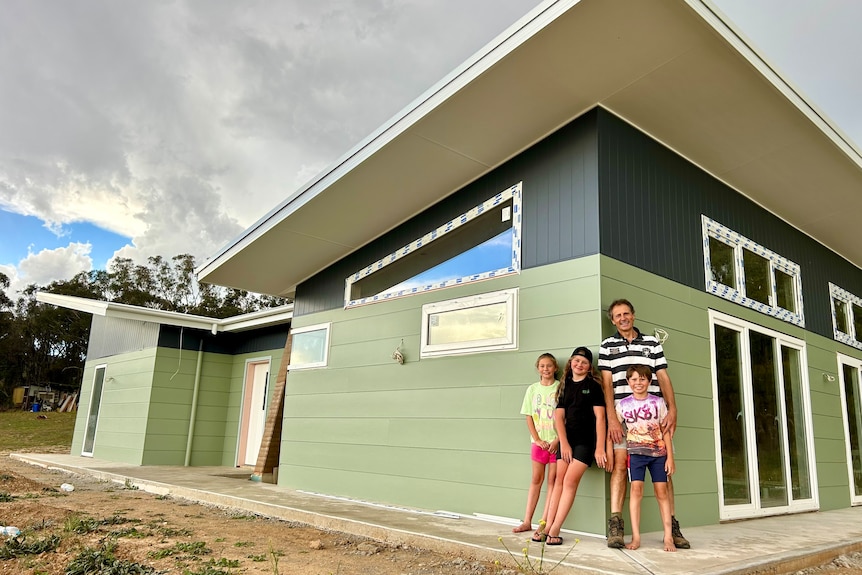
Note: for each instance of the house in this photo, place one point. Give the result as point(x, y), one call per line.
point(611, 149)
point(166, 388)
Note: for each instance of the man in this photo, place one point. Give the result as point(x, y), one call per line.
point(625, 348)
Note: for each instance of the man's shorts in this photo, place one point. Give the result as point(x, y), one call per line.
point(622, 444)
point(638, 464)
point(539, 455)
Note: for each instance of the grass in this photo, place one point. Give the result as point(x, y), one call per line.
point(24, 431)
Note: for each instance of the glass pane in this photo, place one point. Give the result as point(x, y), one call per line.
point(784, 291)
point(308, 347)
point(854, 423)
point(721, 265)
point(731, 416)
point(491, 255)
point(857, 321)
point(840, 315)
point(93, 418)
point(800, 483)
point(470, 324)
point(756, 276)
point(767, 421)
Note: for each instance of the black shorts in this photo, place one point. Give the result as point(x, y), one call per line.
point(583, 453)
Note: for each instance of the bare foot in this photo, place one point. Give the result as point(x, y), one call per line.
point(635, 544)
point(522, 527)
point(668, 544)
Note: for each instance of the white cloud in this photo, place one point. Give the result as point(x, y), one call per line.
point(179, 124)
point(46, 266)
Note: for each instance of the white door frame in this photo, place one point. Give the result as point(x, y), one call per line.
point(248, 404)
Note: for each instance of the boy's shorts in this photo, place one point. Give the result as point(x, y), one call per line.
point(539, 455)
point(638, 464)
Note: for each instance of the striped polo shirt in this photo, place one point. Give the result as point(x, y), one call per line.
point(616, 354)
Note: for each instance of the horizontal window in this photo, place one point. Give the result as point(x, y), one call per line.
point(846, 316)
point(485, 322)
point(309, 347)
point(482, 243)
point(751, 275)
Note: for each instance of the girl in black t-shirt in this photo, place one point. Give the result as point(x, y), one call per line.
point(579, 420)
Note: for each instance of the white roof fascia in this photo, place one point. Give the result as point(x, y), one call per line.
point(259, 318)
point(733, 36)
point(481, 61)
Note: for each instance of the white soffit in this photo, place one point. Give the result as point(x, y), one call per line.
point(674, 69)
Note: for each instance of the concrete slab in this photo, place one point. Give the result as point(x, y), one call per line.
point(768, 545)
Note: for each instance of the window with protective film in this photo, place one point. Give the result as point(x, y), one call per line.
point(749, 274)
point(482, 243)
point(846, 316)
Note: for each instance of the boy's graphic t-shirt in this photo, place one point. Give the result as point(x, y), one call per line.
point(540, 402)
point(643, 419)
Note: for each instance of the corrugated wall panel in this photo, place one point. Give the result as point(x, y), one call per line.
point(112, 336)
point(560, 205)
point(651, 201)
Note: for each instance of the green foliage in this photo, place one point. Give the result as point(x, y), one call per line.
point(46, 345)
point(102, 561)
point(19, 546)
point(535, 566)
point(6, 497)
point(83, 524)
point(191, 548)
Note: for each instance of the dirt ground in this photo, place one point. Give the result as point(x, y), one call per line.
point(104, 523)
point(123, 531)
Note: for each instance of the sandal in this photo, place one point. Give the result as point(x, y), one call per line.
point(554, 540)
point(538, 537)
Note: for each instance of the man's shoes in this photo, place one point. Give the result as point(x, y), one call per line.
point(616, 533)
point(679, 541)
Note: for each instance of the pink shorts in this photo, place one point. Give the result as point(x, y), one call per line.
point(539, 455)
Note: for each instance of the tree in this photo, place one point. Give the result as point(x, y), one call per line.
point(45, 345)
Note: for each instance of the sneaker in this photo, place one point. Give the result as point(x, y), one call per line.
point(616, 532)
point(679, 541)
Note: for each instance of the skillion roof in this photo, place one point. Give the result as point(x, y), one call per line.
point(253, 320)
point(675, 69)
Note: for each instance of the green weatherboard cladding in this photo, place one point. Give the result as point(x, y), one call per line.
point(441, 433)
point(446, 433)
point(146, 406)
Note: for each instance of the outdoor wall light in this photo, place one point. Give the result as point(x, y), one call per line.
point(828, 377)
point(398, 355)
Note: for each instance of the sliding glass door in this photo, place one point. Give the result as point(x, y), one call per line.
point(849, 370)
point(763, 420)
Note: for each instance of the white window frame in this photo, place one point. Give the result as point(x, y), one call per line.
point(509, 342)
point(513, 193)
point(736, 294)
point(850, 338)
point(315, 364)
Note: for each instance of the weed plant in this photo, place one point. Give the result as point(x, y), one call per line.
point(103, 561)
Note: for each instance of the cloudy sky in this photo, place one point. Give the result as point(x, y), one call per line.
point(164, 127)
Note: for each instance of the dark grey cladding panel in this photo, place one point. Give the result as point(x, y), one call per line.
point(560, 211)
point(111, 336)
point(651, 201)
point(230, 343)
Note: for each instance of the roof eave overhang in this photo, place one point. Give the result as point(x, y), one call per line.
point(254, 320)
point(675, 70)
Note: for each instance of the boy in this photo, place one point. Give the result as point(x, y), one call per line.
point(643, 414)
